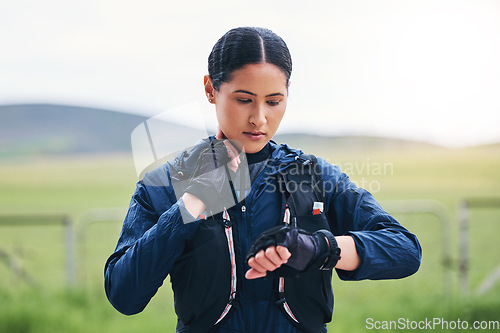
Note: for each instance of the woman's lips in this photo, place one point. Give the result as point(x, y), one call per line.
point(254, 135)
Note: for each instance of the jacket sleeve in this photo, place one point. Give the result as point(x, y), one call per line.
point(387, 249)
point(149, 244)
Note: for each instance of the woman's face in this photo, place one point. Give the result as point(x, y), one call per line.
point(250, 107)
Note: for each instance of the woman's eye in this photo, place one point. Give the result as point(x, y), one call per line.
point(273, 103)
point(244, 100)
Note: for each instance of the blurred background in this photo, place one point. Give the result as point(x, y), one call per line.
point(403, 95)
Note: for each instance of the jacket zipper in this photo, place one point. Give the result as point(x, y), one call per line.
point(230, 243)
point(281, 282)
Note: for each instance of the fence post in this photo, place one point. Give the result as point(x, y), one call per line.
point(464, 248)
point(464, 209)
point(70, 252)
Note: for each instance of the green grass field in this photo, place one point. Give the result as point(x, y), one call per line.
point(73, 185)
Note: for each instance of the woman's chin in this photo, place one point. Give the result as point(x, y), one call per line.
point(255, 147)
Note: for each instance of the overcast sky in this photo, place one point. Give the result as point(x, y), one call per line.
point(416, 69)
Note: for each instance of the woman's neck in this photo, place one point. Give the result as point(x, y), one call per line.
point(259, 156)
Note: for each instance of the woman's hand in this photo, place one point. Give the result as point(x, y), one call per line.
point(209, 181)
point(269, 260)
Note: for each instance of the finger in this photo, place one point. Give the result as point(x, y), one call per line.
point(253, 274)
point(264, 261)
point(234, 165)
point(252, 262)
point(274, 257)
point(283, 252)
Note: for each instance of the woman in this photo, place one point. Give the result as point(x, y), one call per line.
point(244, 251)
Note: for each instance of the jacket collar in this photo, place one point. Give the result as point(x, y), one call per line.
point(283, 156)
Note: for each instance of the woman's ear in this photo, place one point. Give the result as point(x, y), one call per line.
point(209, 89)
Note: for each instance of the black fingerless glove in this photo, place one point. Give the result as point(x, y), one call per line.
point(209, 181)
point(308, 251)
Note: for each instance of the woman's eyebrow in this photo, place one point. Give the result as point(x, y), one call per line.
point(245, 92)
point(275, 94)
point(251, 93)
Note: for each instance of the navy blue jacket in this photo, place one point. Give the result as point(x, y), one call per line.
point(154, 236)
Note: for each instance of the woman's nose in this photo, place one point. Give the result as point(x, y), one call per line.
point(258, 116)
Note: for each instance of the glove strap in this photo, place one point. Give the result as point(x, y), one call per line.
point(329, 253)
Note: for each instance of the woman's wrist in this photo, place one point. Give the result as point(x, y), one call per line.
point(350, 259)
